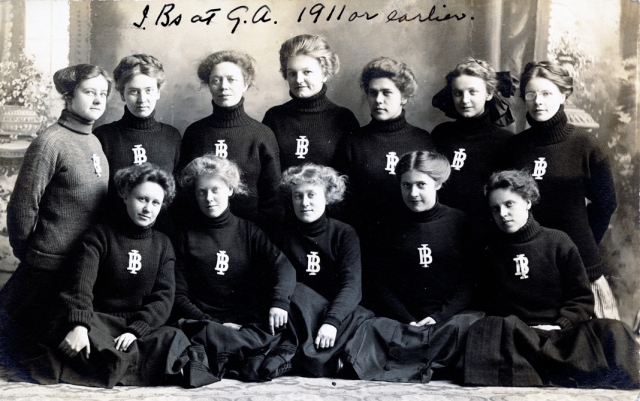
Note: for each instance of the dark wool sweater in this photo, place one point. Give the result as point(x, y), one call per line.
point(123, 270)
point(252, 146)
point(366, 158)
point(480, 142)
point(160, 142)
point(333, 249)
point(255, 277)
point(576, 167)
point(59, 191)
point(318, 119)
point(412, 284)
point(555, 290)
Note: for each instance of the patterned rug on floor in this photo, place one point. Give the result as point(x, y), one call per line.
point(305, 389)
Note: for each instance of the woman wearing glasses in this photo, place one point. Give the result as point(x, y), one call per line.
point(572, 170)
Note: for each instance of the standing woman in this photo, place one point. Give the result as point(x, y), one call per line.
point(138, 137)
point(369, 156)
point(309, 126)
point(569, 165)
point(534, 289)
point(60, 189)
point(474, 140)
point(230, 133)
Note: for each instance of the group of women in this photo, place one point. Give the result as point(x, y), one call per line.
point(258, 268)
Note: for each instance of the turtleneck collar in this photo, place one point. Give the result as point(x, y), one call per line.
point(475, 125)
point(217, 222)
point(137, 123)
point(386, 126)
point(423, 217)
point(131, 229)
point(75, 123)
point(314, 104)
point(555, 129)
point(314, 228)
point(530, 229)
point(227, 117)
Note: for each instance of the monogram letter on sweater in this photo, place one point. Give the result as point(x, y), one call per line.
point(313, 263)
point(302, 147)
point(425, 255)
point(392, 160)
point(540, 168)
point(96, 164)
point(522, 266)
point(135, 262)
point(139, 154)
point(223, 262)
point(221, 149)
point(458, 159)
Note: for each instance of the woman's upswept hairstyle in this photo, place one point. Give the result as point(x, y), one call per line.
point(136, 64)
point(66, 79)
point(126, 179)
point(313, 46)
point(385, 67)
point(246, 63)
point(475, 68)
point(225, 169)
point(518, 181)
point(433, 164)
point(548, 70)
point(333, 183)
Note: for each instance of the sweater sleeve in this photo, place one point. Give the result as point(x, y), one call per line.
point(183, 307)
point(38, 167)
point(602, 194)
point(387, 303)
point(577, 305)
point(270, 210)
point(157, 305)
point(349, 276)
point(280, 272)
point(187, 151)
point(78, 298)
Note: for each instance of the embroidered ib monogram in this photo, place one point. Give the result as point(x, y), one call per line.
point(222, 265)
point(522, 266)
point(139, 154)
point(458, 159)
point(313, 263)
point(302, 146)
point(425, 255)
point(392, 160)
point(96, 164)
point(135, 262)
point(221, 149)
point(540, 168)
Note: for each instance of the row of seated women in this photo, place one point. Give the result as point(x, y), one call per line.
point(82, 290)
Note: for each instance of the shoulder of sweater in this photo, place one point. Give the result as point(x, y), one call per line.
point(171, 131)
point(104, 129)
point(557, 236)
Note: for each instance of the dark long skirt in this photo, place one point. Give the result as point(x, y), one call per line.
point(249, 354)
point(507, 352)
point(376, 348)
point(148, 361)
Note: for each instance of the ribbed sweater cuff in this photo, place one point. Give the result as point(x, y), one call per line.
point(564, 323)
point(332, 320)
point(438, 317)
point(594, 272)
point(276, 303)
point(81, 317)
point(139, 328)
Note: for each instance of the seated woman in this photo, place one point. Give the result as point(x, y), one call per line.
point(326, 255)
point(535, 291)
point(122, 290)
point(233, 286)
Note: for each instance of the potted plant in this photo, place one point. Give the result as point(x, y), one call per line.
point(23, 107)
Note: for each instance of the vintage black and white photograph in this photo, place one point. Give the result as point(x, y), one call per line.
point(294, 199)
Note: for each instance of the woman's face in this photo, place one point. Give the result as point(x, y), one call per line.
point(226, 84)
point(543, 98)
point(418, 190)
point(90, 98)
point(141, 94)
point(309, 201)
point(510, 210)
point(304, 76)
point(469, 95)
point(385, 99)
point(144, 203)
point(212, 194)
